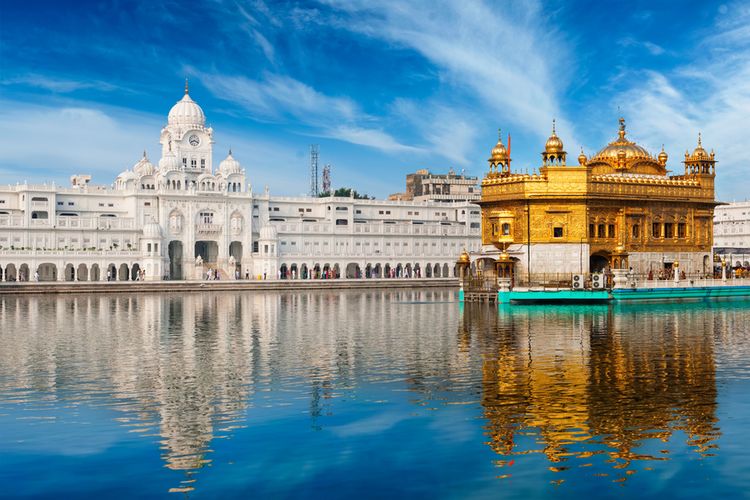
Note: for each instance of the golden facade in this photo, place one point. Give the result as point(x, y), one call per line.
point(620, 207)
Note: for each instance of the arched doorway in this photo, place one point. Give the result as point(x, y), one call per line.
point(111, 272)
point(326, 271)
point(235, 250)
point(175, 260)
point(283, 270)
point(399, 270)
point(23, 272)
point(11, 274)
point(95, 274)
point(352, 271)
point(316, 271)
point(407, 271)
point(598, 262)
point(417, 270)
point(376, 271)
point(303, 272)
point(387, 271)
point(82, 272)
point(368, 271)
point(446, 271)
point(135, 273)
point(123, 274)
point(436, 271)
point(294, 270)
point(428, 271)
point(336, 271)
point(208, 251)
point(70, 273)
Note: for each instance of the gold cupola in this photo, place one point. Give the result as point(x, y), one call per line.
point(554, 153)
point(662, 157)
point(499, 158)
point(700, 162)
point(582, 158)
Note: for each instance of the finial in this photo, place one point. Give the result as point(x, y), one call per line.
point(230, 150)
point(144, 155)
point(699, 138)
point(186, 85)
point(553, 126)
point(499, 134)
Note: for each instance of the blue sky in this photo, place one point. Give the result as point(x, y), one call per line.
point(383, 87)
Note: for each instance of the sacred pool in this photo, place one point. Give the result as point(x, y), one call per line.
point(337, 394)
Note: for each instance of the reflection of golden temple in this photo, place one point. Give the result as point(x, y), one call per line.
point(618, 208)
point(570, 378)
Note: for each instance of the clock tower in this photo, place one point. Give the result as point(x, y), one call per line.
point(187, 138)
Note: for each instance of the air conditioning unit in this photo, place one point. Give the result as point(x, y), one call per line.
point(578, 281)
point(597, 281)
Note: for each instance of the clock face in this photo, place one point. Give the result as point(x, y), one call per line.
point(194, 140)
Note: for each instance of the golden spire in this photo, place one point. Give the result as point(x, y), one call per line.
point(621, 132)
point(699, 139)
point(582, 157)
point(553, 144)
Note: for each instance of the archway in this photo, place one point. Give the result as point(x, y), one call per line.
point(283, 271)
point(377, 271)
point(135, 272)
point(11, 274)
point(336, 271)
point(417, 271)
point(446, 271)
point(208, 251)
point(235, 250)
point(352, 270)
point(175, 260)
point(408, 271)
point(123, 273)
point(598, 262)
point(368, 271)
point(303, 272)
point(436, 271)
point(387, 271)
point(399, 270)
point(70, 273)
point(428, 271)
point(316, 271)
point(82, 272)
point(706, 264)
point(94, 274)
point(111, 272)
point(23, 272)
point(294, 270)
point(326, 271)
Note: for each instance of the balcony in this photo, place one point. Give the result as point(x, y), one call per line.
point(205, 228)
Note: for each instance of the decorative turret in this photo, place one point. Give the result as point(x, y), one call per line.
point(582, 158)
point(554, 153)
point(499, 158)
point(700, 162)
point(663, 157)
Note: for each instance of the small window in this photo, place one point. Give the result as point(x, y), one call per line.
point(636, 231)
point(203, 163)
point(592, 231)
point(600, 231)
point(184, 162)
point(681, 230)
point(668, 230)
point(342, 209)
point(147, 204)
point(60, 203)
point(38, 198)
point(655, 230)
point(342, 222)
point(474, 225)
point(557, 232)
point(275, 209)
point(611, 231)
point(506, 230)
point(358, 212)
point(193, 163)
point(308, 210)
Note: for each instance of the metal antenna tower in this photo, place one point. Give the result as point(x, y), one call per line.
point(314, 186)
point(327, 178)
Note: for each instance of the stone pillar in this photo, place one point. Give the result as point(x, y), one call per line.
point(621, 278)
point(723, 270)
point(676, 269)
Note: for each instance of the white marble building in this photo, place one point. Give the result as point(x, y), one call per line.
point(732, 233)
point(181, 219)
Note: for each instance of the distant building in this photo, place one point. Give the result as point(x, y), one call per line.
point(732, 232)
point(425, 186)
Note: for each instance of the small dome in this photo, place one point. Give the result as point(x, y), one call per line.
point(143, 166)
point(553, 144)
point(151, 230)
point(229, 166)
point(169, 162)
point(631, 149)
point(267, 233)
point(127, 175)
point(464, 258)
point(582, 158)
point(663, 156)
point(499, 153)
point(186, 112)
point(699, 153)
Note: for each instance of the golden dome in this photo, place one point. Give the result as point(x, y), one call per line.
point(554, 144)
point(662, 156)
point(630, 149)
point(582, 158)
point(699, 153)
point(499, 153)
point(464, 258)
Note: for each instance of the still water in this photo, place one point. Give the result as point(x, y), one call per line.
point(370, 394)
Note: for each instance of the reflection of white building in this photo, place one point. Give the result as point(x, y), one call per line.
point(181, 217)
point(732, 232)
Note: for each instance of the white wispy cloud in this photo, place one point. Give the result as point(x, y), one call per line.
point(58, 85)
point(510, 59)
point(710, 94)
point(280, 98)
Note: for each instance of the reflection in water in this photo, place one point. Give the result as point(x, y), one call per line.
point(606, 381)
point(602, 387)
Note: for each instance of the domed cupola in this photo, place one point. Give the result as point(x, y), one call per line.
point(152, 230)
point(186, 112)
point(554, 152)
point(662, 157)
point(143, 166)
point(229, 166)
point(499, 158)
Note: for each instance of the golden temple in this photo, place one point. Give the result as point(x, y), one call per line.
point(619, 208)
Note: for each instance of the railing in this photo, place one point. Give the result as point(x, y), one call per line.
point(208, 228)
point(68, 253)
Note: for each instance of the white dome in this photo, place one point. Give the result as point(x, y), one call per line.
point(143, 166)
point(151, 230)
point(267, 233)
point(229, 166)
point(186, 112)
point(169, 162)
point(126, 176)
